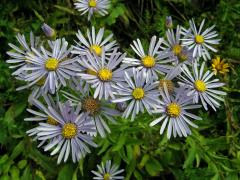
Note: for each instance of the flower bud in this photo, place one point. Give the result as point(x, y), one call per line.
point(48, 31)
point(169, 23)
point(121, 106)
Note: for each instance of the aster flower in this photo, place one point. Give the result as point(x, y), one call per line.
point(51, 68)
point(108, 171)
point(219, 66)
point(174, 112)
point(18, 54)
point(200, 41)
point(141, 94)
point(69, 137)
point(107, 73)
point(95, 110)
point(41, 115)
point(94, 43)
point(179, 54)
point(151, 64)
point(91, 6)
point(202, 86)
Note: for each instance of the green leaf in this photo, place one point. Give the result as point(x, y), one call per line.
point(153, 167)
point(22, 164)
point(17, 150)
point(65, 9)
point(66, 172)
point(120, 142)
point(38, 16)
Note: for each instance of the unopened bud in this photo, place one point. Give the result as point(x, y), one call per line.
point(121, 106)
point(169, 23)
point(48, 31)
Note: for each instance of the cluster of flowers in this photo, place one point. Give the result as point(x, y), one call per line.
point(169, 79)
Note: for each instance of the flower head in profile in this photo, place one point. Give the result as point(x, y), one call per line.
point(200, 40)
point(175, 115)
point(95, 43)
point(151, 63)
point(18, 54)
point(219, 66)
point(96, 111)
point(50, 68)
point(106, 73)
point(92, 6)
point(108, 172)
point(140, 94)
point(69, 137)
point(202, 86)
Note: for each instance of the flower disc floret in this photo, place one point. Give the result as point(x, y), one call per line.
point(51, 64)
point(169, 85)
point(92, 3)
point(138, 93)
point(96, 49)
point(105, 74)
point(173, 110)
point(91, 105)
point(52, 121)
point(69, 130)
point(200, 86)
point(148, 61)
point(106, 176)
point(177, 49)
point(199, 39)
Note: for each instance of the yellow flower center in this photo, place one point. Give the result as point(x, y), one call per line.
point(92, 3)
point(199, 39)
point(200, 86)
point(106, 176)
point(138, 93)
point(105, 74)
point(51, 64)
point(52, 121)
point(177, 49)
point(173, 110)
point(69, 130)
point(182, 57)
point(96, 49)
point(41, 81)
point(169, 85)
point(91, 105)
point(91, 72)
point(148, 61)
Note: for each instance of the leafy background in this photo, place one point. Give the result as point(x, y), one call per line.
point(213, 150)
